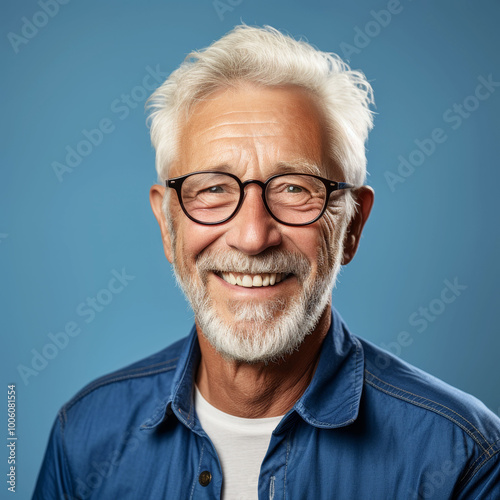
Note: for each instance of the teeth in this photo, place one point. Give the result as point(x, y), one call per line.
point(247, 281)
point(256, 280)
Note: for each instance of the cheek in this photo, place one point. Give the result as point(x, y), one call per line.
point(313, 242)
point(329, 227)
point(331, 236)
point(192, 239)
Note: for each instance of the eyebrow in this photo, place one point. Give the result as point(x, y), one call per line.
point(302, 166)
point(291, 167)
point(222, 167)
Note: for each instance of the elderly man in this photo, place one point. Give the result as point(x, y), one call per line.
point(260, 152)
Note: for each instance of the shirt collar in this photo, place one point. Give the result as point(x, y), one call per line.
point(333, 397)
point(331, 400)
point(180, 400)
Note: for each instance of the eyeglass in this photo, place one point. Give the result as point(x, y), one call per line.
point(212, 197)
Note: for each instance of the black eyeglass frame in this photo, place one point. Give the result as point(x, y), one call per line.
point(331, 186)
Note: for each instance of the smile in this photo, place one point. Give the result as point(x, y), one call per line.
point(253, 280)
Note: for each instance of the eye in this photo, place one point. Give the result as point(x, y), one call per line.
point(213, 190)
point(293, 189)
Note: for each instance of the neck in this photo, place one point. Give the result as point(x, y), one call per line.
point(259, 390)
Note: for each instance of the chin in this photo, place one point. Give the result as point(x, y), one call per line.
point(260, 333)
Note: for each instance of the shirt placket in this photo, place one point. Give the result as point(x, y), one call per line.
point(273, 472)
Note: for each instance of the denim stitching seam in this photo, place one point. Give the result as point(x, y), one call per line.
point(286, 463)
point(469, 431)
point(271, 488)
point(112, 380)
point(199, 468)
point(473, 473)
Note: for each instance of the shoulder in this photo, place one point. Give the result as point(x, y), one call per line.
point(101, 424)
point(397, 384)
point(133, 391)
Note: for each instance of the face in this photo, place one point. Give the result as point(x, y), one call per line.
point(257, 287)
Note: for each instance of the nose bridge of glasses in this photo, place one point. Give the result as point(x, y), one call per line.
point(254, 181)
point(261, 184)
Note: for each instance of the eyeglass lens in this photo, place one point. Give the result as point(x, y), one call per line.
point(214, 197)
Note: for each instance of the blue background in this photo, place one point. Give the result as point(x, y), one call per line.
point(61, 240)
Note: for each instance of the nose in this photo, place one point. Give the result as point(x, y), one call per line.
point(252, 230)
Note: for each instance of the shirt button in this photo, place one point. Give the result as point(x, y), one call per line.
point(204, 478)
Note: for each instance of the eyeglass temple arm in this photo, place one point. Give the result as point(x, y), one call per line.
point(344, 185)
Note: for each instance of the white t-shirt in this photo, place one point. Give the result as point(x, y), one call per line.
point(241, 444)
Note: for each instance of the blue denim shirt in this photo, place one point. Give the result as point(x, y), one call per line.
point(369, 426)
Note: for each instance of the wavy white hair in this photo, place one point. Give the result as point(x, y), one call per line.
point(264, 56)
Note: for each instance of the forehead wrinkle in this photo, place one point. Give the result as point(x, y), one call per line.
point(241, 123)
point(257, 133)
point(243, 111)
point(246, 136)
point(222, 126)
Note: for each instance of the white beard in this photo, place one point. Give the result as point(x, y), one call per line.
point(259, 332)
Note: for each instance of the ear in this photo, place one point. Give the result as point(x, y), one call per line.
point(156, 194)
point(363, 196)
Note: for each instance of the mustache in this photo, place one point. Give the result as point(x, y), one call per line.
point(270, 261)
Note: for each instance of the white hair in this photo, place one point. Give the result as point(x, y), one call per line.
point(264, 56)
